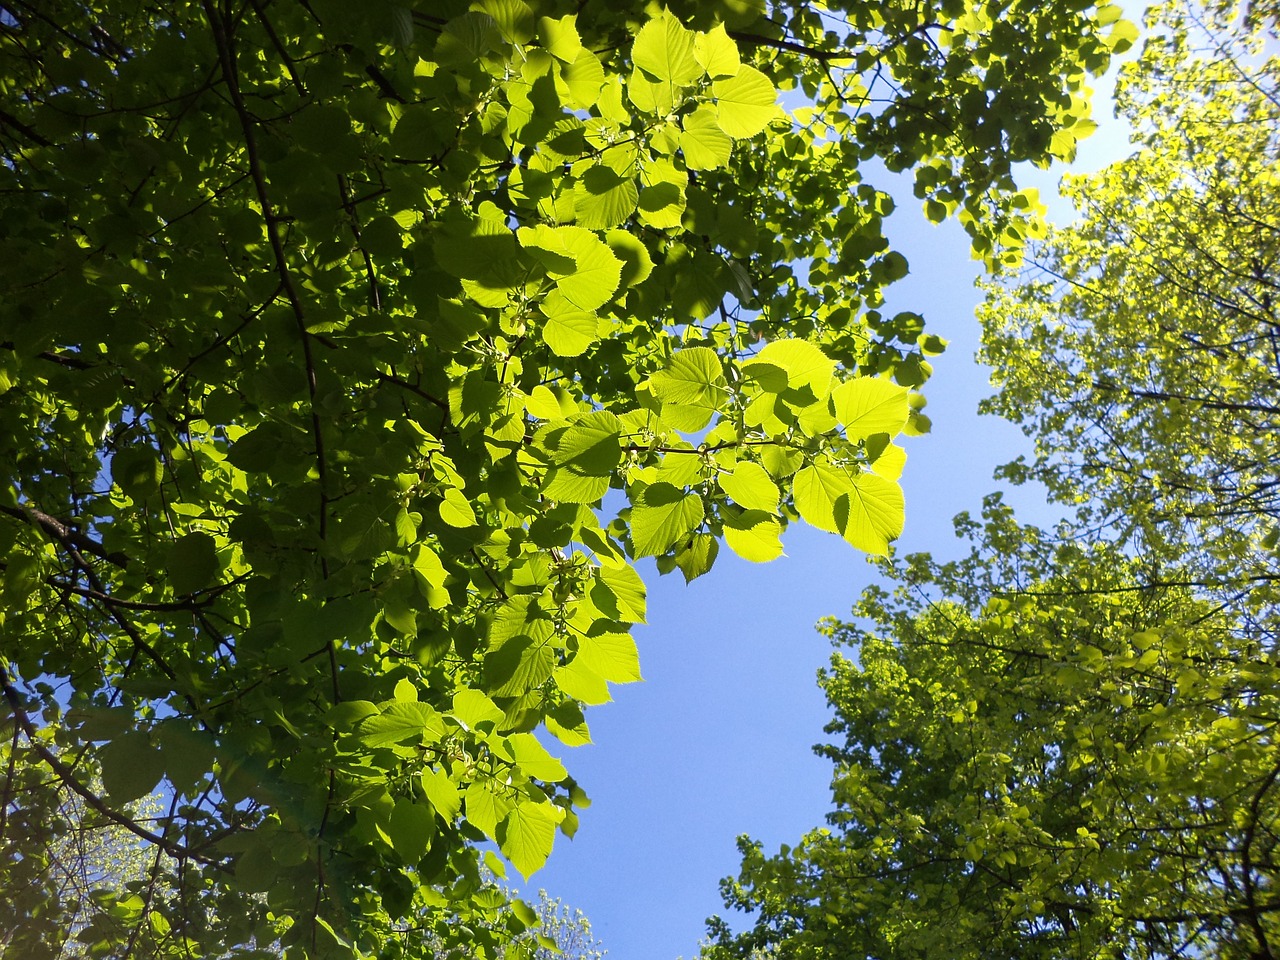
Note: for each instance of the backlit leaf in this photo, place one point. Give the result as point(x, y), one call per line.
point(751, 487)
point(874, 515)
point(870, 405)
point(754, 536)
point(527, 833)
point(661, 516)
point(704, 144)
point(745, 102)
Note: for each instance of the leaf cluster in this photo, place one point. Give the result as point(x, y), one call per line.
point(352, 354)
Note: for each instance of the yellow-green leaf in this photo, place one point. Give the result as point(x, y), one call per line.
point(751, 487)
point(704, 144)
point(745, 102)
point(870, 405)
point(754, 536)
point(874, 513)
point(526, 835)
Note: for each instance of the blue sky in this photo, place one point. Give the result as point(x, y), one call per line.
point(716, 741)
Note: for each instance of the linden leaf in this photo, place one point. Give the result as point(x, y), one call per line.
point(665, 50)
point(745, 102)
point(751, 487)
point(410, 828)
point(705, 145)
point(874, 513)
point(661, 516)
point(754, 536)
point(870, 405)
point(716, 53)
point(560, 37)
point(567, 330)
point(694, 376)
point(527, 834)
point(193, 563)
point(816, 489)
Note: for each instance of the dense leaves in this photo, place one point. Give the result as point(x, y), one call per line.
point(1140, 348)
point(1062, 755)
point(1065, 745)
point(330, 331)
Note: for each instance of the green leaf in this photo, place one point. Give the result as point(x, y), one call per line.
point(486, 809)
point(591, 445)
point(455, 510)
point(534, 760)
point(568, 486)
point(874, 514)
point(804, 364)
point(661, 516)
point(514, 19)
point(1123, 36)
point(637, 264)
point(428, 566)
point(193, 563)
point(754, 536)
point(612, 656)
point(745, 103)
point(410, 828)
point(584, 269)
point(870, 405)
point(665, 50)
point(568, 725)
point(662, 198)
point(526, 835)
point(477, 249)
point(526, 914)
point(579, 681)
point(817, 488)
point(781, 461)
point(704, 144)
point(521, 664)
point(472, 707)
point(716, 53)
point(567, 330)
point(137, 470)
point(693, 377)
point(751, 487)
point(442, 793)
point(627, 588)
point(604, 198)
point(543, 404)
point(584, 77)
point(697, 556)
point(889, 462)
point(131, 766)
point(401, 722)
point(560, 37)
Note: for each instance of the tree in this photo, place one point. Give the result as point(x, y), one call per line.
point(1065, 745)
point(1140, 348)
point(1040, 754)
point(330, 326)
point(59, 851)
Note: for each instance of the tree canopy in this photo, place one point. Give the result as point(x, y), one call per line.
point(352, 354)
point(1140, 350)
point(1040, 754)
point(1065, 744)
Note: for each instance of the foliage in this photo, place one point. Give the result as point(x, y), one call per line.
point(1140, 351)
point(1056, 758)
point(59, 851)
point(1065, 746)
point(330, 327)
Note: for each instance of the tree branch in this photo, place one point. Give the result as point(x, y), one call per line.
point(67, 536)
point(69, 779)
